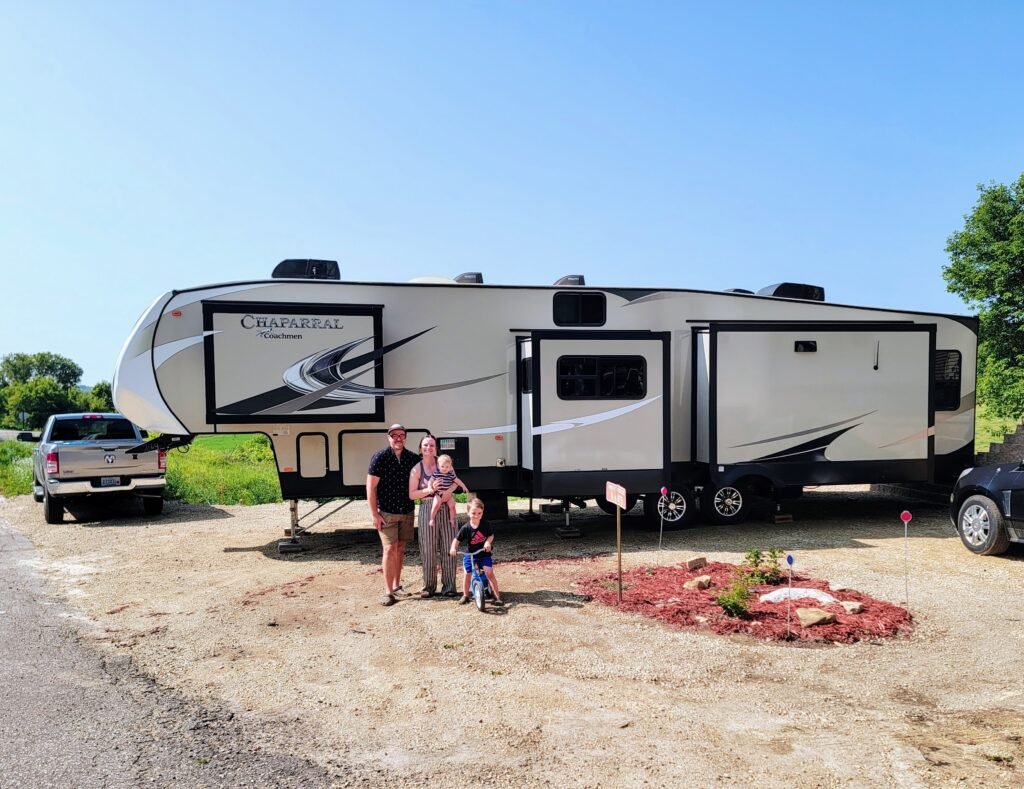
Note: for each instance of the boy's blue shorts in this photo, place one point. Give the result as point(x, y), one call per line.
point(484, 560)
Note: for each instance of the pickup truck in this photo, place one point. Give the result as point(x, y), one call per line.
point(92, 455)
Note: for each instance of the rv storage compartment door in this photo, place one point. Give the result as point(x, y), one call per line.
point(599, 412)
point(821, 403)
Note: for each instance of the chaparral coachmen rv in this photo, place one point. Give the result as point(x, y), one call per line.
point(551, 391)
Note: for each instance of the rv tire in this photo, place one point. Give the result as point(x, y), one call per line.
point(677, 508)
point(725, 504)
point(609, 508)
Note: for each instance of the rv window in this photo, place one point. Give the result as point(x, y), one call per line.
point(602, 377)
point(526, 376)
point(579, 309)
point(947, 380)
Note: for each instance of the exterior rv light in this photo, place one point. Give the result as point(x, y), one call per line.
point(470, 278)
point(571, 281)
point(298, 268)
point(794, 290)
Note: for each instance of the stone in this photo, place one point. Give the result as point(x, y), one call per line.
point(809, 617)
point(700, 582)
point(696, 562)
point(796, 593)
point(853, 607)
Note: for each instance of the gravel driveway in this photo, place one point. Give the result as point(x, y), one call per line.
point(556, 688)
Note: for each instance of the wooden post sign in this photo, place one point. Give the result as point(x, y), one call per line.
point(616, 494)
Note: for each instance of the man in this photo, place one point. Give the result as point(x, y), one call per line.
point(387, 491)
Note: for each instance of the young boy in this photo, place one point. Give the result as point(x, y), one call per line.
point(476, 534)
point(445, 482)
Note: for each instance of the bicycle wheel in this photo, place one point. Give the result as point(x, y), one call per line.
point(478, 595)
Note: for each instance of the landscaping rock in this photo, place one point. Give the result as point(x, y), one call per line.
point(781, 595)
point(809, 617)
point(853, 607)
point(696, 563)
point(700, 582)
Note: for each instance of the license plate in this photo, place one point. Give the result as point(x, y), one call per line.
point(109, 482)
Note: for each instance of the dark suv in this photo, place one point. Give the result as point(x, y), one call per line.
point(987, 507)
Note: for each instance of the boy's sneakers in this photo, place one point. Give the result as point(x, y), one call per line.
point(463, 600)
point(498, 602)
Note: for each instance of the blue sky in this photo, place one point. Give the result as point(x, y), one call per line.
point(149, 146)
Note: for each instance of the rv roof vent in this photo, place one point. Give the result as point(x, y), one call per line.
point(739, 290)
point(295, 268)
point(471, 278)
point(794, 290)
point(571, 281)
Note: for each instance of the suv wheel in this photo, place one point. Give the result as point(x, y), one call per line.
point(980, 525)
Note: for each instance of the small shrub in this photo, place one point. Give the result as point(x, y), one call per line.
point(763, 568)
point(735, 599)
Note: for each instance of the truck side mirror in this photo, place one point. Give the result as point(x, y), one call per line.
point(26, 436)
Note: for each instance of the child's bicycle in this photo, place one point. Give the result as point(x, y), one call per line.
point(479, 589)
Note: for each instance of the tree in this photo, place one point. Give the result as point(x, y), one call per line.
point(23, 367)
point(987, 271)
point(101, 397)
point(60, 368)
point(39, 397)
point(16, 368)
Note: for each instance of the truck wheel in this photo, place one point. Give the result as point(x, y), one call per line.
point(980, 525)
point(53, 509)
point(726, 504)
point(37, 491)
point(153, 505)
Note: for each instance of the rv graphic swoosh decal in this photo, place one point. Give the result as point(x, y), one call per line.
point(592, 419)
point(560, 425)
point(813, 450)
point(161, 353)
point(803, 432)
point(322, 382)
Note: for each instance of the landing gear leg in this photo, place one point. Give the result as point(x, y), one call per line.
point(292, 545)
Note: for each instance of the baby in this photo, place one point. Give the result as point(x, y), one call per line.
point(444, 484)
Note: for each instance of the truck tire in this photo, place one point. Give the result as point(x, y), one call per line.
point(53, 508)
point(980, 526)
point(153, 505)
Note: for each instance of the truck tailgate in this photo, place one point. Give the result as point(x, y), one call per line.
point(97, 459)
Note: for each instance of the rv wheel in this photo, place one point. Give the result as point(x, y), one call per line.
point(726, 504)
point(676, 508)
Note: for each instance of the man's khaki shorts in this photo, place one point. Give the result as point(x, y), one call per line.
point(399, 528)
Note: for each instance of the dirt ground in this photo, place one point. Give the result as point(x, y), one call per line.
point(556, 688)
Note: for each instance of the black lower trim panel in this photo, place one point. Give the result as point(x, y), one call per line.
point(825, 472)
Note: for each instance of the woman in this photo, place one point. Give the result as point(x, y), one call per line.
point(434, 540)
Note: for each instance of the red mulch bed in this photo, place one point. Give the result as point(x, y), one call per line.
point(658, 592)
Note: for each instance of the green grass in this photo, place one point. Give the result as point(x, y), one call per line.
point(230, 469)
point(990, 428)
point(15, 468)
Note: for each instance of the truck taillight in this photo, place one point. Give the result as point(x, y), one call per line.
point(52, 463)
point(162, 460)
